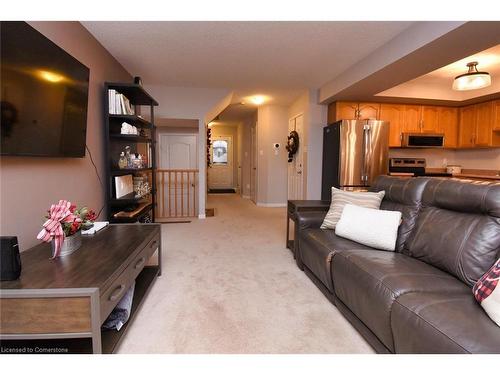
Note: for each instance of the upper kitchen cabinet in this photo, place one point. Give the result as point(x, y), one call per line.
point(368, 111)
point(484, 124)
point(447, 124)
point(430, 119)
point(395, 114)
point(477, 124)
point(467, 126)
point(412, 119)
point(496, 115)
point(352, 111)
point(345, 111)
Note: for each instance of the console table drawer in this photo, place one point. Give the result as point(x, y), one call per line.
point(136, 266)
point(111, 296)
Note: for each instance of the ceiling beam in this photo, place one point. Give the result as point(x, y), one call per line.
point(419, 50)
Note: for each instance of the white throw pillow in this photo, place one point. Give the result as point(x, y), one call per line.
point(340, 198)
point(487, 292)
point(368, 226)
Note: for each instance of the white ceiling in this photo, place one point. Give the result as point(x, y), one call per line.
point(278, 59)
point(438, 83)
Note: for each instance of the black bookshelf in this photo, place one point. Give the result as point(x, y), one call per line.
point(116, 142)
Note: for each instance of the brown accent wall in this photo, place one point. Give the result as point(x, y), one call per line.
point(28, 185)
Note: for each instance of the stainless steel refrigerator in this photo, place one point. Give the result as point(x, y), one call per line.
point(355, 152)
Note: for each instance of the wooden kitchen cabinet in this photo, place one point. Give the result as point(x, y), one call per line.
point(484, 124)
point(353, 111)
point(430, 118)
point(345, 111)
point(467, 126)
point(476, 126)
point(395, 114)
point(368, 111)
point(412, 121)
point(496, 115)
point(447, 124)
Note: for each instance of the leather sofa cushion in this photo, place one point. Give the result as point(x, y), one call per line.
point(369, 281)
point(442, 323)
point(458, 228)
point(404, 195)
point(316, 249)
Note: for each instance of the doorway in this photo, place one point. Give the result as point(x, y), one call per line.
point(177, 173)
point(221, 171)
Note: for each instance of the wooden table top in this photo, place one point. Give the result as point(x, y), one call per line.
point(100, 259)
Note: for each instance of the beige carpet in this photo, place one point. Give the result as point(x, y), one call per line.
point(230, 286)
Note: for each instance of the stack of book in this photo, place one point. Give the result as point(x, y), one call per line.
point(119, 104)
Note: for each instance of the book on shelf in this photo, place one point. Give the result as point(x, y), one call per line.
point(119, 104)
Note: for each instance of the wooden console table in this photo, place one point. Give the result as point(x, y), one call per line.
point(295, 206)
point(59, 305)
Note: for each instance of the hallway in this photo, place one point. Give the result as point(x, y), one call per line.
point(230, 286)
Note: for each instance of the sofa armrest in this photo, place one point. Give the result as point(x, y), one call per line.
point(305, 220)
point(310, 219)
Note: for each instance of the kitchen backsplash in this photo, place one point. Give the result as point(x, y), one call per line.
point(438, 158)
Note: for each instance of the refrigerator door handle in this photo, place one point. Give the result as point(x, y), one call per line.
point(366, 153)
point(369, 154)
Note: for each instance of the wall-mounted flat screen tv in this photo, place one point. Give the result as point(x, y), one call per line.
point(44, 95)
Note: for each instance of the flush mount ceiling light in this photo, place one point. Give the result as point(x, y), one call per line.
point(472, 80)
point(258, 99)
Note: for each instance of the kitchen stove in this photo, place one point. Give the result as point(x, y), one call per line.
point(412, 167)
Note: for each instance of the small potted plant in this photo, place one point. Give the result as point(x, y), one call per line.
point(63, 225)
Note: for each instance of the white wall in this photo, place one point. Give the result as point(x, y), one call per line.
point(190, 103)
point(272, 127)
point(439, 158)
point(315, 118)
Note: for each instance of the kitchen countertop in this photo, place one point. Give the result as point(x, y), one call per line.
point(483, 174)
point(478, 174)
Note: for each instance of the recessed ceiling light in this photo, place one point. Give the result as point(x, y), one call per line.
point(472, 80)
point(258, 99)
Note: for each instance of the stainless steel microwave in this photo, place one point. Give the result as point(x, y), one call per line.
point(422, 140)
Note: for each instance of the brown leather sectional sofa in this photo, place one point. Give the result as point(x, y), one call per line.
point(417, 299)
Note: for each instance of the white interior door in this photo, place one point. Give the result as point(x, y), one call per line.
point(296, 167)
point(253, 163)
point(177, 153)
point(220, 173)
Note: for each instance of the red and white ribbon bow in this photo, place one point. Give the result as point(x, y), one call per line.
point(52, 228)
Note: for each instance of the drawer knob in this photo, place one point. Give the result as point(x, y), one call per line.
point(116, 293)
point(140, 262)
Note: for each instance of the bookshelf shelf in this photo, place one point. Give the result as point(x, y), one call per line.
point(131, 138)
point(143, 208)
point(132, 119)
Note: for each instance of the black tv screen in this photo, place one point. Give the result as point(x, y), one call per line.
point(44, 95)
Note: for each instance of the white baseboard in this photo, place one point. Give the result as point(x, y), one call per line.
point(245, 196)
point(261, 204)
point(202, 216)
